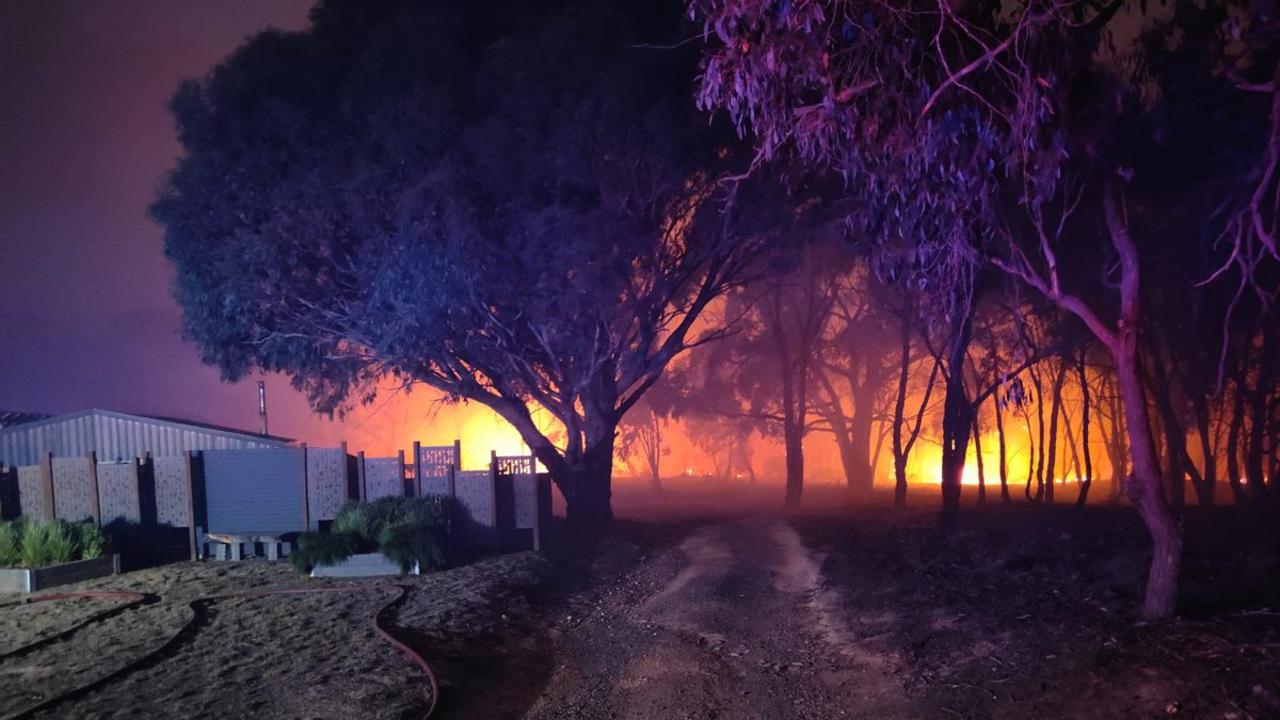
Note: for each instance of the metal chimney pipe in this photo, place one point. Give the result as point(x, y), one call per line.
point(262, 405)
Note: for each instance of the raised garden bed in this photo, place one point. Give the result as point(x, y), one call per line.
point(33, 579)
point(362, 565)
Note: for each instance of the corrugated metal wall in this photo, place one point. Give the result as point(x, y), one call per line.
point(115, 437)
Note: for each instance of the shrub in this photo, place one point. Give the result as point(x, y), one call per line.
point(356, 519)
point(407, 543)
point(316, 549)
point(405, 530)
point(93, 543)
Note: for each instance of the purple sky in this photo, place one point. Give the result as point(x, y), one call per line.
point(86, 317)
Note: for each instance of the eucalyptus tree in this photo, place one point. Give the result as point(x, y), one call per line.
point(977, 132)
point(517, 206)
point(765, 373)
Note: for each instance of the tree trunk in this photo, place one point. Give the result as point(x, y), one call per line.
point(587, 487)
point(1051, 462)
point(1031, 461)
point(793, 364)
point(1117, 449)
point(902, 446)
point(977, 453)
point(1233, 443)
point(1035, 380)
point(832, 413)
point(1161, 595)
point(1259, 418)
point(1174, 435)
point(1004, 460)
point(1206, 486)
point(1069, 435)
point(1144, 487)
point(744, 458)
point(652, 446)
point(848, 463)
point(899, 443)
point(793, 440)
point(957, 415)
point(860, 447)
point(1087, 481)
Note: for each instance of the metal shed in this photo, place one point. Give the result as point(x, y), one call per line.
point(9, 418)
point(120, 436)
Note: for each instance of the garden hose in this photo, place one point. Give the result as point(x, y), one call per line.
point(189, 629)
point(134, 599)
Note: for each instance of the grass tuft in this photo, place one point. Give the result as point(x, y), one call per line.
point(30, 544)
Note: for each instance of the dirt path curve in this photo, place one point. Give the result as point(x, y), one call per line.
point(734, 623)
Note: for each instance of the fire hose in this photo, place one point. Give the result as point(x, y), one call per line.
point(188, 630)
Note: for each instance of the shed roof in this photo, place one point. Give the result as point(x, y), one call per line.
point(175, 423)
point(119, 435)
point(9, 418)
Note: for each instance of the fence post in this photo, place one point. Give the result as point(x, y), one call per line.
point(95, 498)
point(400, 454)
point(361, 490)
point(346, 474)
point(46, 486)
point(417, 469)
point(9, 501)
point(137, 486)
point(537, 502)
point(148, 502)
point(306, 499)
point(450, 509)
point(457, 453)
point(493, 497)
point(191, 505)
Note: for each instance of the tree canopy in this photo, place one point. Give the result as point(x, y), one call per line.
point(975, 133)
point(422, 192)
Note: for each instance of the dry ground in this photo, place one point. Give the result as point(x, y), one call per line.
point(304, 656)
point(1015, 612)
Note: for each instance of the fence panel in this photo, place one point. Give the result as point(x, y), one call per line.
point(326, 483)
point(475, 493)
point(118, 494)
point(433, 465)
point(383, 477)
point(255, 490)
point(173, 490)
point(31, 491)
point(524, 488)
point(72, 494)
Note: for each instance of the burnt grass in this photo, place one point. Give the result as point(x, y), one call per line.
point(1030, 612)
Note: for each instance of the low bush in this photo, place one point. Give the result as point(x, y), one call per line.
point(316, 549)
point(405, 530)
point(11, 543)
point(92, 541)
point(30, 544)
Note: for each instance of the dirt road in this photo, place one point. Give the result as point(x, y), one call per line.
point(735, 622)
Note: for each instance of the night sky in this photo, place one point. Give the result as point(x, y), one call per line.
point(86, 316)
